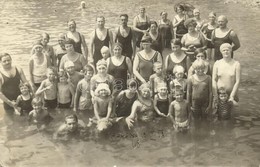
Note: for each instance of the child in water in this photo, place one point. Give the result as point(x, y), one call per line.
point(179, 81)
point(199, 93)
point(161, 100)
point(179, 112)
point(65, 91)
point(73, 76)
point(157, 77)
point(49, 89)
point(39, 116)
point(71, 128)
point(23, 102)
point(105, 52)
point(83, 97)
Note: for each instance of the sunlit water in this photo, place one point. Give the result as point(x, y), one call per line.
point(233, 144)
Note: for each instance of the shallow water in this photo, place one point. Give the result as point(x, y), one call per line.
point(234, 144)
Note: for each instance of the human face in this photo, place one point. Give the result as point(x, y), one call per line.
point(200, 56)
point(145, 92)
point(158, 69)
point(124, 20)
point(191, 27)
point(132, 89)
point(196, 14)
point(179, 75)
point(71, 124)
point(70, 70)
point(222, 22)
point(61, 42)
point(153, 27)
point(103, 92)
point(100, 22)
point(176, 48)
point(179, 11)
point(212, 18)
point(164, 16)
point(72, 26)
point(142, 11)
point(24, 90)
point(38, 48)
point(117, 51)
point(179, 96)
point(6, 62)
point(101, 69)
point(45, 40)
point(226, 52)
point(146, 45)
point(223, 97)
point(199, 71)
point(88, 75)
point(63, 79)
point(37, 107)
point(163, 91)
point(51, 75)
point(105, 54)
point(69, 48)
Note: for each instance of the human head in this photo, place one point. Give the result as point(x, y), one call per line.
point(212, 16)
point(199, 66)
point(157, 67)
point(196, 12)
point(101, 66)
point(71, 122)
point(118, 47)
point(69, 45)
point(63, 76)
point(45, 38)
point(83, 5)
point(69, 67)
point(132, 85)
point(37, 47)
point(190, 24)
point(88, 71)
point(226, 50)
point(200, 53)
point(105, 52)
point(145, 90)
point(179, 9)
point(153, 26)
point(61, 39)
point(124, 19)
point(100, 21)
point(164, 15)
point(222, 94)
point(162, 88)
point(6, 60)
point(179, 94)
point(72, 25)
point(51, 73)
point(37, 104)
point(24, 88)
point(102, 90)
point(176, 45)
point(141, 10)
point(178, 71)
point(146, 42)
point(222, 21)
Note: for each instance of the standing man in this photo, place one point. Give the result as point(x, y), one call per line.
point(125, 35)
point(223, 34)
point(100, 37)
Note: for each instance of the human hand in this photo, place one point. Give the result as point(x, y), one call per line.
point(129, 122)
point(16, 111)
point(74, 109)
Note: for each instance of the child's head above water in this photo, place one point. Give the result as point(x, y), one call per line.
point(199, 64)
point(178, 71)
point(51, 73)
point(63, 76)
point(132, 84)
point(105, 52)
point(179, 94)
point(71, 122)
point(37, 103)
point(200, 54)
point(88, 71)
point(222, 94)
point(69, 67)
point(24, 88)
point(157, 67)
point(162, 88)
point(101, 66)
point(102, 90)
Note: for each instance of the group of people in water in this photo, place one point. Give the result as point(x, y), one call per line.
point(124, 75)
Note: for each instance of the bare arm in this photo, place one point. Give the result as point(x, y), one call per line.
point(85, 48)
point(41, 89)
point(236, 85)
point(72, 92)
point(203, 41)
point(171, 112)
point(135, 69)
point(210, 95)
point(133, 44)
point(31, 72)
point(235, 40)
point(109, 108)
point(77, 96)
point(53, 57)
point(83, 60)
point(3, 97)
point(91, 52)
point(215, 79)
point(189, 90)
point(129, 67)
point(131, 117)
point(96, 109)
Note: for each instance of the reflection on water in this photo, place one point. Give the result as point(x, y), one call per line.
point(222, 143)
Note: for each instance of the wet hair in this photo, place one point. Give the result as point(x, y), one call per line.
point(176, 41)
point(190, 21)
point(37, 101)
point(4, 55)
point(200, 50)
point(156, 64)
point(199, 64)
point(153, 22)
point(72, 116)
point(88, 67)
point(62, 74)
point(124, 15)
point(177, 69)
point(24, 84)
point(102, 17)
point(132, 83)
point(45, 35)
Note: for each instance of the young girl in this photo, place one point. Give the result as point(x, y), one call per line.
point(23, 101)
point(157, 77)
point(105, 53)
point(49, 89)
point(179, 81)
point(125, 99)
point(38, 65)
point(199, 93)
point(65, 91)
point(38, 115)
point(161, 100)
point(83, 97)
point(102, 102)
point(73, 76)
point(101, 77)
point(179, 112)
point(200, 54)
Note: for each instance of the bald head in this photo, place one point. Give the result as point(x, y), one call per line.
point(222, 21)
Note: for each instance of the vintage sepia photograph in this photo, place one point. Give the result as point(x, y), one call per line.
point(122, 83)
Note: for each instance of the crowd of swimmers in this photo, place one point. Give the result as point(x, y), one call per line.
point(124, 75)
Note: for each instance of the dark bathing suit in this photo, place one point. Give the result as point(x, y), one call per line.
point(126, 42)
point(77, 45)
point(141, 26)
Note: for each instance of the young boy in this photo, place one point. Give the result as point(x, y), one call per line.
point(49, 89)
point(73, 75)
point(70, 129)
point(38, 115)
point(179, 112)
point(105, 52)
point(179, 81)
point(157, 77)
point(83, 97)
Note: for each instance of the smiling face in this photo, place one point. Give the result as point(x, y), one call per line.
point(226, 52)
point(200, 56)
point(175, 48)
point(6, 62)
point(72, 26)
point(69, 48)
point(123, 20)
point(100, 22)
point(191, 27)
point(71, 124)
point(145, 92)
point(24, 90)
point(163, 91)
point(45, 39)
point(101, 69)
point(222, 22)
point(117, 51)
point(223, 96)
point(179, 96)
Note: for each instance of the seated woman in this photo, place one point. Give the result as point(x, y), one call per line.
point(226, 74)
